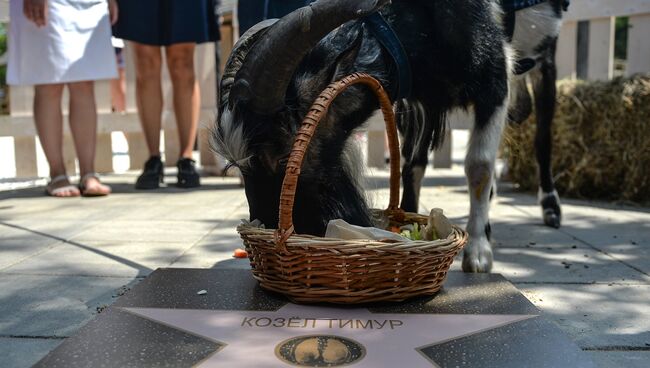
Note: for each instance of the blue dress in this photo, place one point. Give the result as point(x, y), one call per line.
point(251, 12)
point(166, 22)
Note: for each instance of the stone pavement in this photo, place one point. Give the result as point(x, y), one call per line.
point(63, 260)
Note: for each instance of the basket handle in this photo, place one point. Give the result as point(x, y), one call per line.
point(303, 138)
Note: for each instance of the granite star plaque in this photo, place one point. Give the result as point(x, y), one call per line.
point(477, 320)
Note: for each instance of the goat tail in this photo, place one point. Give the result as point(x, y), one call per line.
point(422, 128)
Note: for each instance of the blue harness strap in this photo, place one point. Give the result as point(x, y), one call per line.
point(514, 5)
point(379, 28)
point(387, 37)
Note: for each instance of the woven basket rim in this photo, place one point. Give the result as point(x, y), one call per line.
point(450, 243)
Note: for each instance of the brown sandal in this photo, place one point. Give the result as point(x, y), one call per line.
point(98, 190)
point(59, 192)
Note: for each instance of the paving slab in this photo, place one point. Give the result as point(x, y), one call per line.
point(580, 265)
point(17, 245)
point(217, 246)
point(514, 230)
point(53, 306)
point(624, 235)
point(621, 231)
point(187, 232)
point(621, 359)
point(53, 227)
point(208, 206)
point(43, 208)
point(597, 316)
point(24, 352)
point(101, 258)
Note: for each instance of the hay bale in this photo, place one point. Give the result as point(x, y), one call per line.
point(601, 141)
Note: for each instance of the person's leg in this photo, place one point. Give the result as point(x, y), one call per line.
point(48, 118)
point(180, 61)
point(148, 90)
point(149, 97)
point(83, 125)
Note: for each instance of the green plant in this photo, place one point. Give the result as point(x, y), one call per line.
point(620, 38)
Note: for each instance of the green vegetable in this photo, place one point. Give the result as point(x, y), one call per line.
point(415, 234)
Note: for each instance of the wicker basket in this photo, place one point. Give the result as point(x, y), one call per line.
point(310, 269)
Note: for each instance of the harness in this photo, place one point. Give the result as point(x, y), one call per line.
point(510, 7)
point(385, 34)
point(377, 25)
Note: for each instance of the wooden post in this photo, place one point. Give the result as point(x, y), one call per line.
point(376, 149)
point(171, 139)
point(104, 148)
point(442, 156)
point(565, 58)
point(25, 156)
point(206, 74)
point(104, 153)
point(69, 154)
point(228, 35)
point(638, 44)
point(601, 49)
point(129, 70)
point(21, 99)
point(138, 151)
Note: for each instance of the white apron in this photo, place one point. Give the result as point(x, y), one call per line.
point(74, 46)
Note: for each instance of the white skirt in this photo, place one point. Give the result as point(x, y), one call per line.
point(74, 46)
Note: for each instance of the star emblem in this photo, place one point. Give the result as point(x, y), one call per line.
point(253, 338)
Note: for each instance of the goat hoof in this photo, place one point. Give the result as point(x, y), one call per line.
point(551, 219)
point(478, 257)
point(551, 211)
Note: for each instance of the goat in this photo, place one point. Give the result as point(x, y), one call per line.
point(458, 55)
point(534, 40)
point(532, 31)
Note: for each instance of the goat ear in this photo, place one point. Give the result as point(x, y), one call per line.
point(344, 63)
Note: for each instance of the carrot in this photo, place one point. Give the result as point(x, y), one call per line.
point(240, 253)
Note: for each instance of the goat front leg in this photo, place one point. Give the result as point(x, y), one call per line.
point(479, 168)
point(545, 92)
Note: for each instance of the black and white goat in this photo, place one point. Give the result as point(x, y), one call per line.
point(534, 33)
point(458, 57)
point(531, 29)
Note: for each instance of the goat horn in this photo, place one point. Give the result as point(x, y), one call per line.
point(265, 75)
point(237, 57)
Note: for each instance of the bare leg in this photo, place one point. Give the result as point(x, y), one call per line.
point(49, 124)
point(180, 61)
point(48, 118)
point(149, 93)
point(83, 124)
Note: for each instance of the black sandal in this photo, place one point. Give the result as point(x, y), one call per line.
point(152, 176)
point(187, 176)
